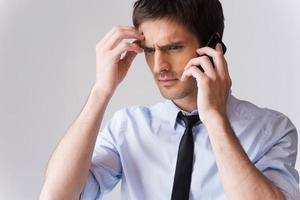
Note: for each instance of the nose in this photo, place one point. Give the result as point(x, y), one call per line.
point(160, 62)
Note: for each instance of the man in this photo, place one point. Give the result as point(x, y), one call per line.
point(236, 151)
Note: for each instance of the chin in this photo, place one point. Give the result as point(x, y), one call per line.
point(173, 95)
point(179, 91)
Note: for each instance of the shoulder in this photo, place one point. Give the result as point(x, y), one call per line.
point(248, 111)
point(271, 123)
point(137, 113)
point(133, 111)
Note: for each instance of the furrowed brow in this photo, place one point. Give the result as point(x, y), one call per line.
point(166, 46)
point(179, 43)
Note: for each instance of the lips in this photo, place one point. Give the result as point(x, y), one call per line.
point(167, 82)
point(167, 79)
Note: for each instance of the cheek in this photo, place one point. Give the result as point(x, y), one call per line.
point(185, 58)
point(178, 62)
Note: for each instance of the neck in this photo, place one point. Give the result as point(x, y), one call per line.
point(188, 103)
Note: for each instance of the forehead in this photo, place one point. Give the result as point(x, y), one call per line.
point(164, 31)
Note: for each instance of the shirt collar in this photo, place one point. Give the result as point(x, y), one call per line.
point(172, 110)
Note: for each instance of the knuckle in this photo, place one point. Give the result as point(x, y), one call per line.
point(205, 58)
point(118, 33)
point(117, 30)
point(192, 61)
point(206, 81)
point(194, 69)
point(200, 59)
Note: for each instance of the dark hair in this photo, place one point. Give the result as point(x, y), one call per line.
point(201, 17)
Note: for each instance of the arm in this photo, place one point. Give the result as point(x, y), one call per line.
point(65, 181)
point(68, 167)
point(240, 178)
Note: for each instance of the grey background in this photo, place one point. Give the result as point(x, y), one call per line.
point(47, 68)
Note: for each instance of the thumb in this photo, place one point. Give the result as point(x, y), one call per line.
point(126, 61)
point(128, 58)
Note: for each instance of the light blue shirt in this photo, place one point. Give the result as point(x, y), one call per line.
point(139, 146)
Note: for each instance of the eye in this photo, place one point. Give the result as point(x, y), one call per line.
point(174, 47)
point(148, 50)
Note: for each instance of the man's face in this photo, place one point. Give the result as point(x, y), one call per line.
point(168, 47)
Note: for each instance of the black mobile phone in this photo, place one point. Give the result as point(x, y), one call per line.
point(212, 42)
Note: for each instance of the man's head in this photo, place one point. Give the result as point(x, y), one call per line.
point(173, 30)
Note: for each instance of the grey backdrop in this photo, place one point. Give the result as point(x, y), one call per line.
point(47, 68)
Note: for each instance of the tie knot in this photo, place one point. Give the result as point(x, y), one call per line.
point(189, 121)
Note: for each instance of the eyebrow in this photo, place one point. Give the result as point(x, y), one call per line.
point(166, 46)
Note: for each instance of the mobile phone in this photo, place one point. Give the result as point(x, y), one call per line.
point(212, 42)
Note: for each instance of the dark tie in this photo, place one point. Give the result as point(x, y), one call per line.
point(184, 165)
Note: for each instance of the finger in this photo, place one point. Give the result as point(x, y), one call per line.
point(193, 71)
point(219, 48)
point(125, 46)
point(128, 58)
point(223, 71)
point(205, 63)
point(121, 34)
point(114, 29)
point(209, 52)
point(218, 59)
point(125, 63)
point(226, 68)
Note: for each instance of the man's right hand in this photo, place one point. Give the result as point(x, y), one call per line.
point(111, 68)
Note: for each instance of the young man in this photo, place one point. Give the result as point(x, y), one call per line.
point(236, 151)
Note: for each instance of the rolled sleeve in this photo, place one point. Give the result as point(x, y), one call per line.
point(106, 169)
point(279, 156)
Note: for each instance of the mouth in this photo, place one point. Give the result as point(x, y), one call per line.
point(167, 82)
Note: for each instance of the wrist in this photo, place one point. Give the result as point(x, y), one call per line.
point(215, 119)
point(99, 93)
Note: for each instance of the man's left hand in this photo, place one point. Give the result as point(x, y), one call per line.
point(213, 84)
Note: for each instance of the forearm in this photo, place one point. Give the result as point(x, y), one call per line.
point(240, 178)
point(68, 167)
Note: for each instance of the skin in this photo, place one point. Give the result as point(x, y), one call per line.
point(67, 181)
point(181, 63)
point(169, 62)
point(206, 91)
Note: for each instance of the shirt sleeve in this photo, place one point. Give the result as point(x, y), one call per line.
point(105, 170)
point(279, 156)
